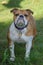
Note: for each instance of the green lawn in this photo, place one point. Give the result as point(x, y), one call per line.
point(6, 18)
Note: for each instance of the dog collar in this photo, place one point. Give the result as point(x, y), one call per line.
point(19, 27)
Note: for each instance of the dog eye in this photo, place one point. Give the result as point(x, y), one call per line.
point(25, 15)
point(16, 14)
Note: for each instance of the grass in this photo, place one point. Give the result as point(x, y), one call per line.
point(6, 18)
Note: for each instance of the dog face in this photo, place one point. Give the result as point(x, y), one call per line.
point(21, 17)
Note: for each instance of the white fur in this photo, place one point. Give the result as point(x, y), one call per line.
point(14, 36)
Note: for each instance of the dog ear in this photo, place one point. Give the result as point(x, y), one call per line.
point(13, 10)
point(29, 11)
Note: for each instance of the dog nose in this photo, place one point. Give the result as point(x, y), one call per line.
point(21, 16)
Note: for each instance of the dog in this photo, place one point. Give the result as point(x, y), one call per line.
point(23, 28)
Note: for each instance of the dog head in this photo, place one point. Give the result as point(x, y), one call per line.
point(21, 17)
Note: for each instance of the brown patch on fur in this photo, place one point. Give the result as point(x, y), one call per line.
point(17, 11)
point(31, 26)
point(9, 40)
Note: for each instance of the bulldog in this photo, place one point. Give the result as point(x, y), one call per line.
point(23, 28)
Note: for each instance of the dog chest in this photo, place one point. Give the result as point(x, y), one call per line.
point(14, 33)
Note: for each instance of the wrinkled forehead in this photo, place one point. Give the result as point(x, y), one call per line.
point(21, 12)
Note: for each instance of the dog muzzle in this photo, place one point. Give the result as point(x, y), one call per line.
point(21, 23)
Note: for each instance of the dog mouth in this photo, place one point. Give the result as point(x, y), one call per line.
point(20, 23)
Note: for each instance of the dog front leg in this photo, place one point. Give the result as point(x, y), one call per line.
point(12, 58)
point(28, 48)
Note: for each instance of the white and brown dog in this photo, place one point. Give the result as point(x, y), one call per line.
point(22, 28)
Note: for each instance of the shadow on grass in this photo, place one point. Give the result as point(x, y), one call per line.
point(3, 30)
point(13, 4)
point(36, 55)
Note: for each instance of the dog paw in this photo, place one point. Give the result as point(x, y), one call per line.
point(12, 59)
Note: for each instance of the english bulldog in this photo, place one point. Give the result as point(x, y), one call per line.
point(23, 28)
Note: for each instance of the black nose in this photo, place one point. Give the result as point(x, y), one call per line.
point(21, 16)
